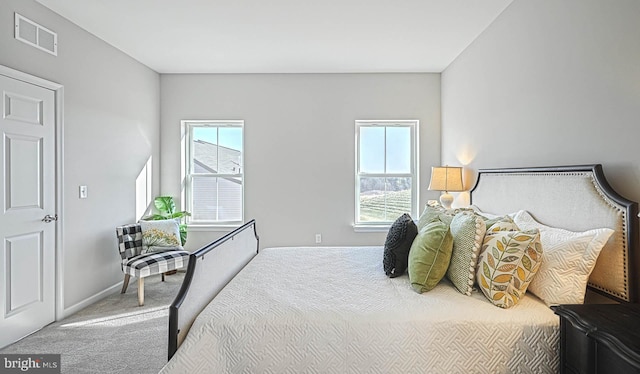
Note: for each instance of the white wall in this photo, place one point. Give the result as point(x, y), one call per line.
point(549, 83)
point(299, 143)
point(111, 128)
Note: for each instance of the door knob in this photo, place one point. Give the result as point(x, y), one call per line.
point(49, 218)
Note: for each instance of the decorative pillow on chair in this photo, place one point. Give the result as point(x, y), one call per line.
point(160, 235)
point(430, 255)
point(468, 231)
point(398, 244)
point(569, 258)
point(508, 262)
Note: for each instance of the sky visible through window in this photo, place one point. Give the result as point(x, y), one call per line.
point(372, 149)
point(230, 137)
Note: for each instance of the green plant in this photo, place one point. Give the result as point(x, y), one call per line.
point(166, 209)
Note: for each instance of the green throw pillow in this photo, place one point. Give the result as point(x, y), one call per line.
point(430, 255)
point(468, 231)
point(431, 214)
point(438, 213)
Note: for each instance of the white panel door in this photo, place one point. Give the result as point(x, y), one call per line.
point(27, 184)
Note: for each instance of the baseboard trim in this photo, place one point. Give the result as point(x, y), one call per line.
point(90, 300)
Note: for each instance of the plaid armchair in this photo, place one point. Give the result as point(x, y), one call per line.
point(139, 265)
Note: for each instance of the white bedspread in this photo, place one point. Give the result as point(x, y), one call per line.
point(333, 310)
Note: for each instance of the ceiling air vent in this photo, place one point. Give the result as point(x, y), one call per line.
point(36, 35)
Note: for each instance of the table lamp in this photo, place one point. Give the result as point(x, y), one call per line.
point(446, 178)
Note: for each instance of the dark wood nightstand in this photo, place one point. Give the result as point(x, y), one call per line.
point(599, 338)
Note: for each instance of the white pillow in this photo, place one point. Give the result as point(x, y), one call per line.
point(569, 258)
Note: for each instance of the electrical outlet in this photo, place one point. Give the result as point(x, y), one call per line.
point(318, 238)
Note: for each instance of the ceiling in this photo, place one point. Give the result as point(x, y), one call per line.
point(285, 36)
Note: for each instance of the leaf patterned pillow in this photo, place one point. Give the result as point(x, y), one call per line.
point(508, 262)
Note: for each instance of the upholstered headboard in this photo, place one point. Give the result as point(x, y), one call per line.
point(575, 198)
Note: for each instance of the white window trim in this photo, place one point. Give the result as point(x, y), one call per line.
point(187, 154)
point(415, 126)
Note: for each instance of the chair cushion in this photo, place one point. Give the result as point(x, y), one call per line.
point(155, 263)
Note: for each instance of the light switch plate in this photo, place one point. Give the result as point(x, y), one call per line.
point(84, 192)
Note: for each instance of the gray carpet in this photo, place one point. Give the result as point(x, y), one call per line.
point(113, 335)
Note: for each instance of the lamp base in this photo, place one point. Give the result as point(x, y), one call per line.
point(446, 200)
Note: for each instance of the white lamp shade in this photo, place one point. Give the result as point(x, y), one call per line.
point(446, 178)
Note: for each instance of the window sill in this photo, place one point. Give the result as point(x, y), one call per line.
point(371, 228)
point(202, 227)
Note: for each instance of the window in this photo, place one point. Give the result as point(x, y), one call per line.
point(214, 172)
point(386, 171)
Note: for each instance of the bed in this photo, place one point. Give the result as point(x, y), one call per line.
point(333, 310)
